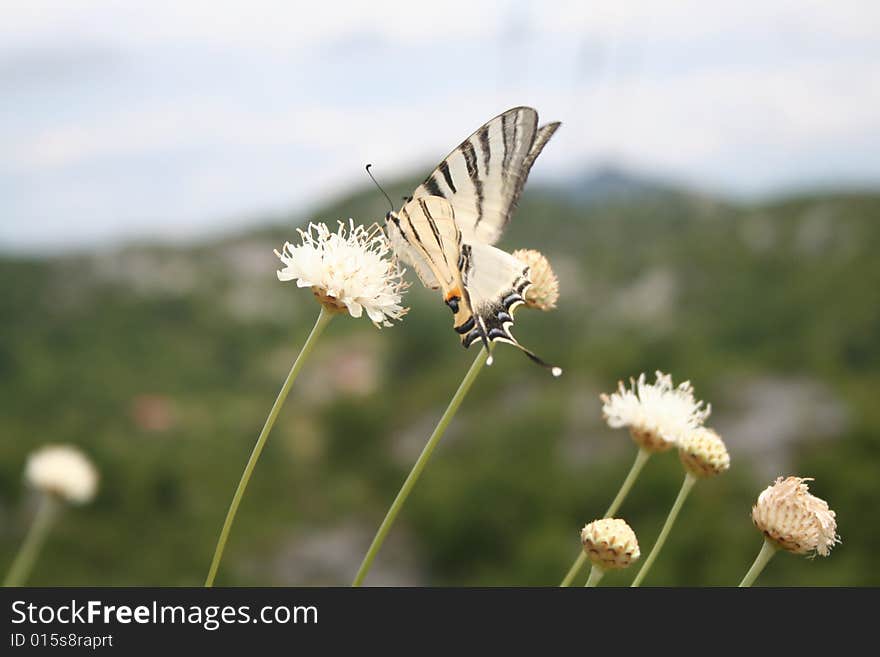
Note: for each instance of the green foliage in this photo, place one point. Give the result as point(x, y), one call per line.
point(162, 363)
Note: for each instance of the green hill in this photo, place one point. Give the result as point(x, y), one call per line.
point(161, 362)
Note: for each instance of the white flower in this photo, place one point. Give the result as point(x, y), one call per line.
point(658, 415)
point(794, 519)
point(62, 471)
point(347, 270)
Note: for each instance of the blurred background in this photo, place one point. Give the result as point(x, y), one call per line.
point(711, 205)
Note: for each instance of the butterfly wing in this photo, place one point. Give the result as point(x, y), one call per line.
point(425, 235)
point(484, 176)
point(496, 283)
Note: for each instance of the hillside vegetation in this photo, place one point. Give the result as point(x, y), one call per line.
point(161, 362)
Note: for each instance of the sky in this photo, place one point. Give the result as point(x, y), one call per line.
point(177, 120)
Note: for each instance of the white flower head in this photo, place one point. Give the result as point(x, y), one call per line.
point(657, 414)
point(62, 471)
point(794, 519)
point(347, 270)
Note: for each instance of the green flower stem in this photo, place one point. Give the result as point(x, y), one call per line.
point(768, 549)
point(33, 541)
point(323, 319)
point(420, 464)
point(687, 484)
point(596, 574)
point(638, 464)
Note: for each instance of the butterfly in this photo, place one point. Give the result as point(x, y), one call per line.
point(446, 229)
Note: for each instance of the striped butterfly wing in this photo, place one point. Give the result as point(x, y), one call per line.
point(484, 176)
point(425, 235)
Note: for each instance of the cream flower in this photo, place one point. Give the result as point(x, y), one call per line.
point(543, 293)
point(610, 543)
point(703, 453)
point(62, 471)
point(794, 519)
point(347, 270)
point(658, 415)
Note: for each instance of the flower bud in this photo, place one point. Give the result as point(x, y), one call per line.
point(610, 543)
point(703, 454)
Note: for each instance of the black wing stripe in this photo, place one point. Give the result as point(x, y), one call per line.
point(447, 176)
point(464, 263)
point(433, 187)
point(416, 235)
point(434, 229)
point(506, 139)
point(470, 160)
point(511, 142)
point(483, 136)
point(396, 221)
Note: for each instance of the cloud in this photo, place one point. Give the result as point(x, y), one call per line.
point(166, 118)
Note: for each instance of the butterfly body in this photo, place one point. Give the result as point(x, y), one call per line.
point(447, 229)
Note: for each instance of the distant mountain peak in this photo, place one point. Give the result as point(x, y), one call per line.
point(609, 182)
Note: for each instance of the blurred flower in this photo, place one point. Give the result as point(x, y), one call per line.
point(543, 293)
point(794, 519)
point(610, 543)
point(347, 270)
point(702, 452)
point(62, 471)
point(658, 415)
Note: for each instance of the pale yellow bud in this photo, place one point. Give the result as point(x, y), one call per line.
point(794, 519)
point(703, 454)
point(543, 293)
point(610, 543)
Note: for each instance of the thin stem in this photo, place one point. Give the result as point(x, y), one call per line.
point(33, 541)
point(596, 574)
point(641, 458)
point(420, 464)
point(638, 464)
point(320, 324)
point(575, 569)
point(687, 484)
point(768, 549)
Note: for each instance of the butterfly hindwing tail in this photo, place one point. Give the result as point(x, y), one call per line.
point(497, 283)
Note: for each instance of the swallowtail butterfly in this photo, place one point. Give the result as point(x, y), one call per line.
point(446, 230)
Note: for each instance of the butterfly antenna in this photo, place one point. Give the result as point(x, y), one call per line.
point(376, 182)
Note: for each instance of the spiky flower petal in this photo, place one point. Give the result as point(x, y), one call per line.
point(703, 453)
point(794, 519)
point(347, 270)
point(610, 543)
point(657, 414)
point(543, 293)
point(62, 471)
